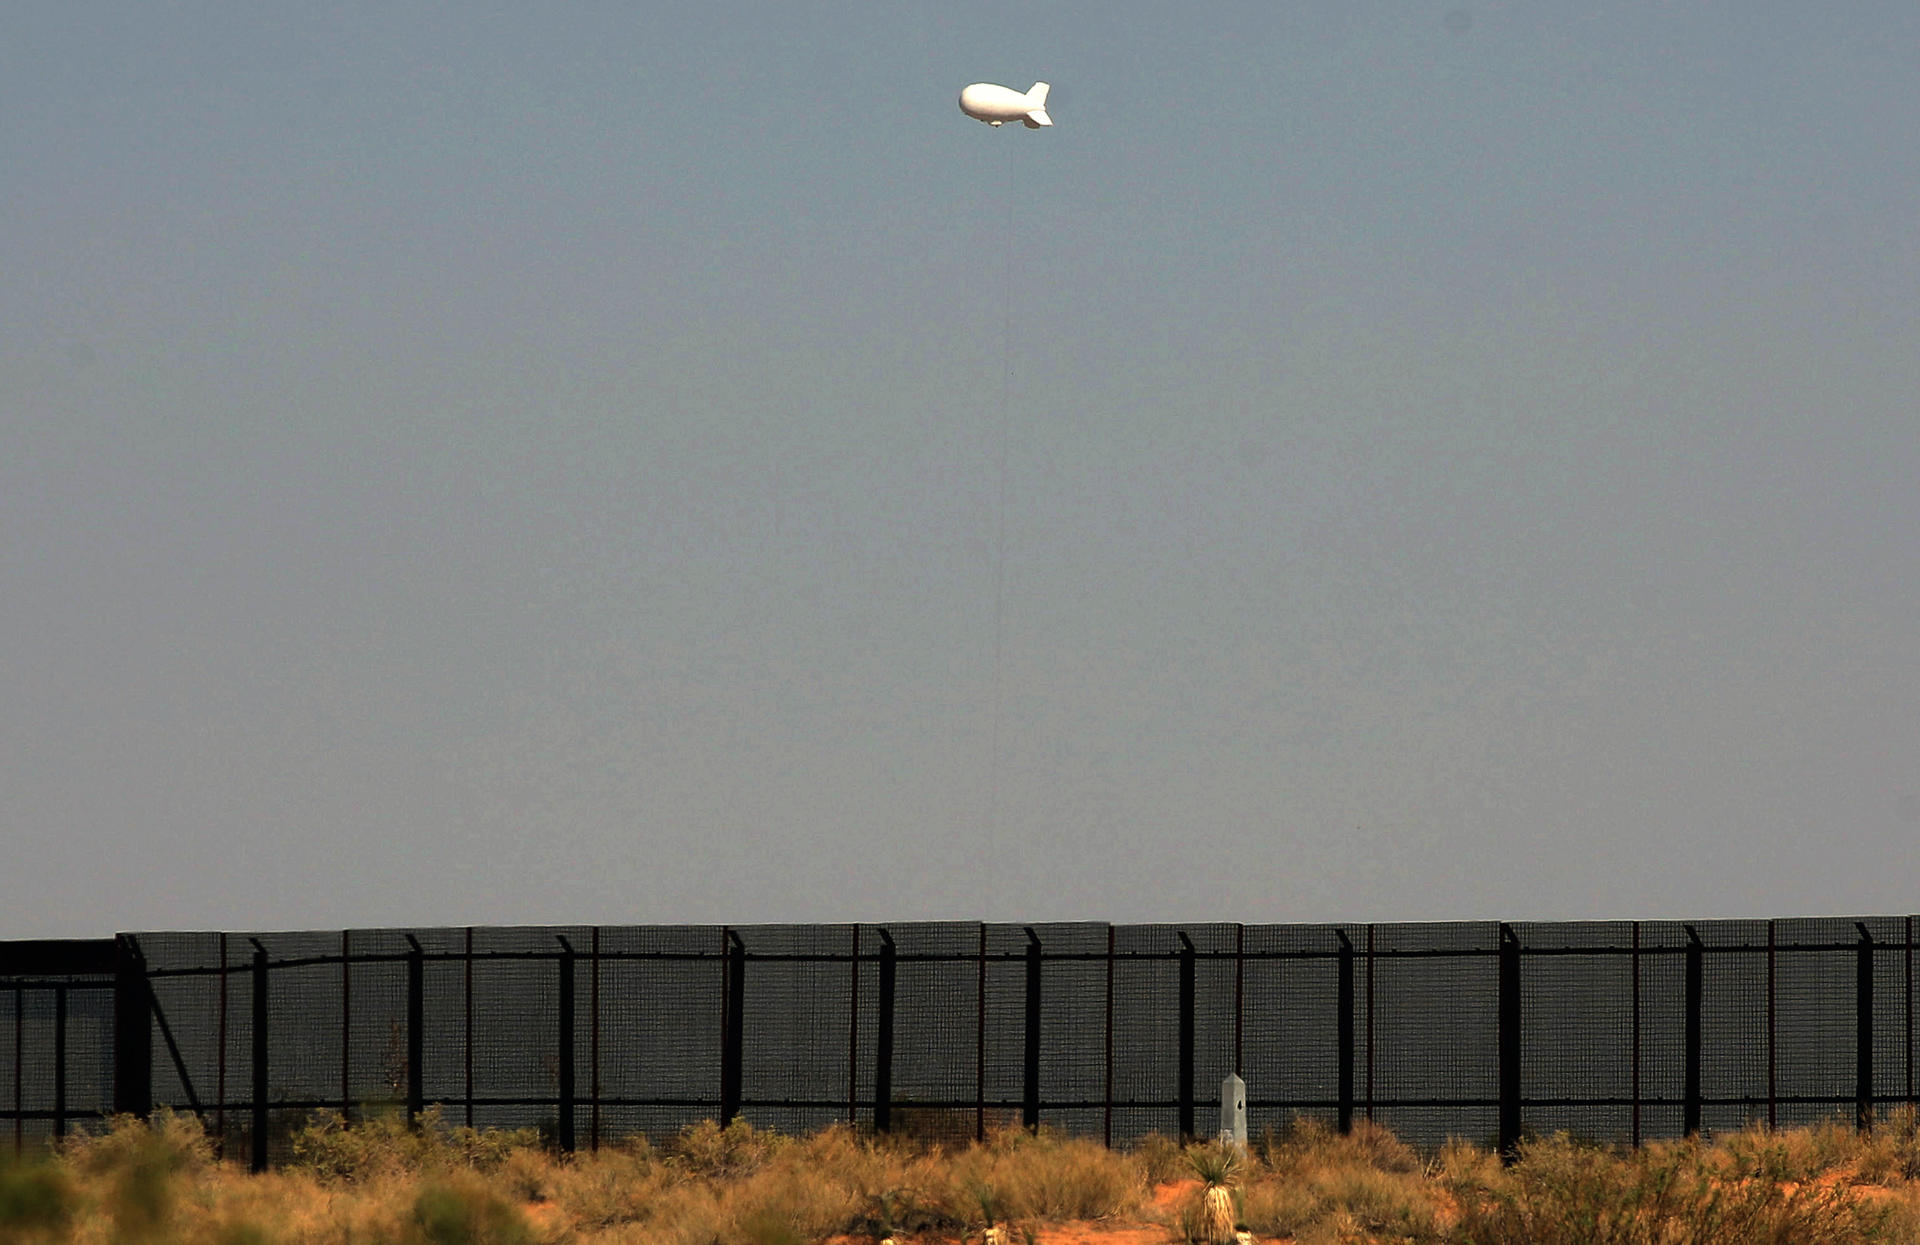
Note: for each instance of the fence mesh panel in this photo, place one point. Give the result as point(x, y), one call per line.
point(1614, 1031)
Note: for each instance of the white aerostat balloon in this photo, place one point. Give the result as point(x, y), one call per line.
point(996, 105)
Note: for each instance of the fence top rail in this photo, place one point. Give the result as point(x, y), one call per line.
point(58, 957)
point(557, 954)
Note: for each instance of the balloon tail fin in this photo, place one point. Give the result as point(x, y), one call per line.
point(1037, 116)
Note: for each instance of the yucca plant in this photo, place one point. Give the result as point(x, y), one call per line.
point(888, 1212)
point(1219, 1169)
point(992, 1210)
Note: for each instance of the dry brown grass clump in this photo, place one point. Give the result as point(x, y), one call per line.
point(741, 1184)
point(36, 1200)
point(1564, 1191)
point(1046, 1176)
point(386, 1145)
point(158, 1184)
point(1314, 1184)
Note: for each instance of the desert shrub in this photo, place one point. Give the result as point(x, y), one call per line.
point(1046, 1176)
point(1338, 1201)
point(1759, 1153)
point(227, 1206)
point(1902, 1209)
point(892, 1212)
point(681, 1213)
point(860, 1184)
point(739, 1183)
point(946, 1128)
point(617, 1185)
point(166, 1138)
point(823, 1185)
point(1560, 1191)
point(814, 1203)
point(1308, 1143)
point(36, 1201)
point(1460, 1164)
point(1279, 1208)
point(240, 1232)
point(1833, 1148)
point(1066, 1178)
point(1830, 1146)
point(332, 1149)
point(1161, 1158)
point(463, 1210)
point(158, 1183)
point(1379, 1202)
point(1891, 1152)
point(978, 1203)
point(847, 1160)
point(335, 1150)
point(706, 1149)
point(769, 1225)
point(139, 1165)
point(1314, 1183)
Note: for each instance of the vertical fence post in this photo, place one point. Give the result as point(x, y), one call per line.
point(19, 1070)
point(1373, 1010)
point(260, 1061)
point(466, 1040)
point(1634, 1059)
point(563, 1123)
point(1343, 1028)
point(883, 1040)
point(1773, 1030)
point(1690, 1090)
point(1863, 1030)
point(732, 1040)
point(132, 1030)
point(1509, 1025)
point(853, 1032)
point(1106, 1080)
point(60, 1061)
point(346, 1027)
point(1239, 998)
point(1030, 1065)
point(220, 1042)
point(1186, 1035)
point(980, 1043)
point(416, 1031)
point(593, 1069)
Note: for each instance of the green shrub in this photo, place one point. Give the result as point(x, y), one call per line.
point(706, 1149)
point(1161, 1158)
point(140, 1163)
point(1279, 1207)
point(335, 1150)
point(767, 1226)
point(1563, 1193)
point(241, 1233)
point(36, 1201)
point(1021, 1175)
point(463, 1211)
point(1892, 1150)
point(1216, 1165)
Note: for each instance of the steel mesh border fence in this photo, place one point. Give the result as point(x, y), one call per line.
point(1616, 1031)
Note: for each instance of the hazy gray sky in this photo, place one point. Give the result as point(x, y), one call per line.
point(483, 464)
